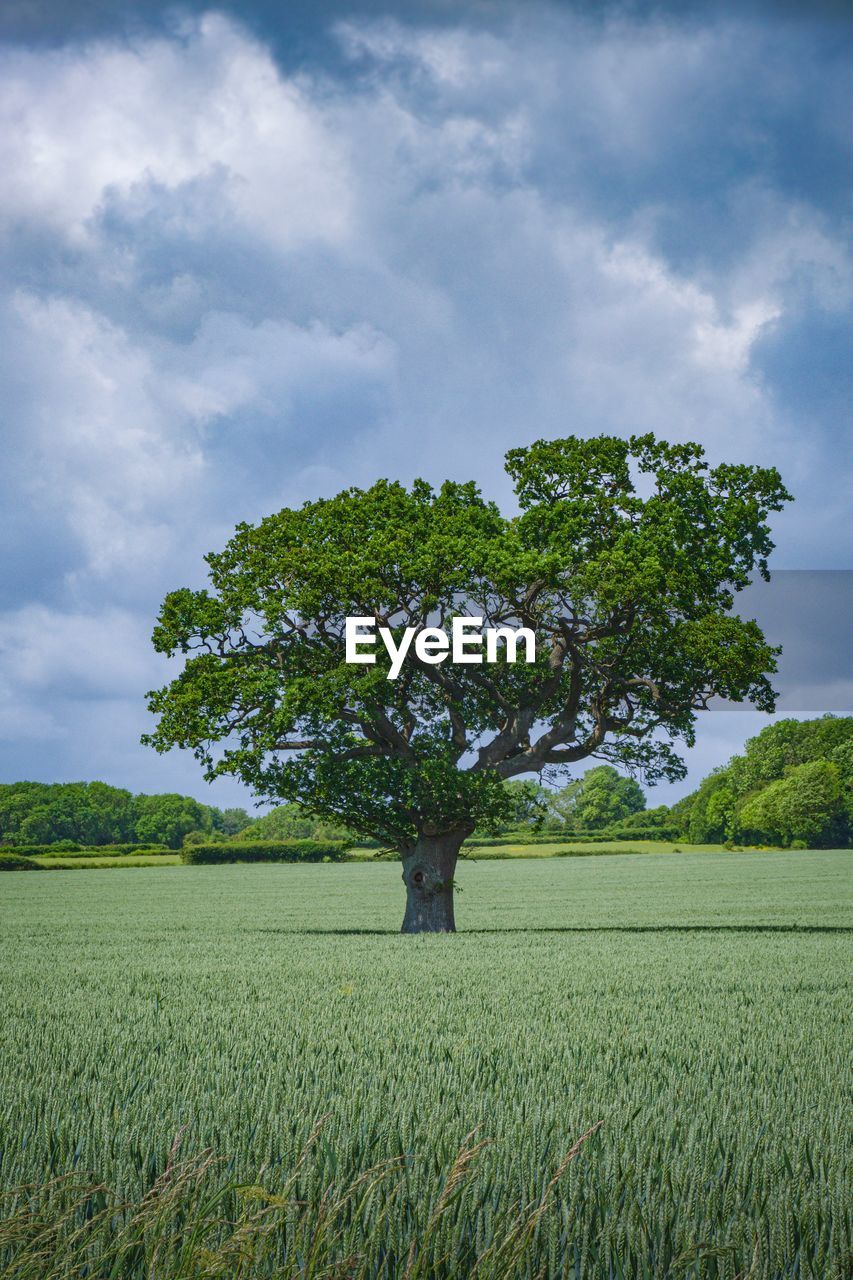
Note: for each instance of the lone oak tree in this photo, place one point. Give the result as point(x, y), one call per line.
point(623, 561)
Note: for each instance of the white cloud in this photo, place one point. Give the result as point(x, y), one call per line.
point(232, 288)
point(113, 118)
point(117, 427)
point(99, 441)
point(57, 667)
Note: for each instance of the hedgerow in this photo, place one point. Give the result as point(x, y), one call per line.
point(12, 862)
point(266, 851)
point(576, 836)
point(71, 849)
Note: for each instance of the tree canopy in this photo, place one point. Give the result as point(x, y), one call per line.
point(598, 799)
point(168, 818)
point(793, 782)
point(624, 560)
point(292, 822)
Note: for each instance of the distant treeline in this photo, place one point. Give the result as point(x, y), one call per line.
point(93, 814)
point(793, 786)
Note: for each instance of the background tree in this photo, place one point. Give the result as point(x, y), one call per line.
point(94, 813)
point(648, 819)
point(90, 813)
point(292, 822)
point(706, 815)
point(841, 755)
point(598, 799)
point(527, 808)
point(783, 745)
point(166, 819)
point(230, 821)
point(806, 806)
point(715, 811)
point(624, 561)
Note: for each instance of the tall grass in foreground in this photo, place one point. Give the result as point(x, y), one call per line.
point(191, 1226)
point(195, 1224)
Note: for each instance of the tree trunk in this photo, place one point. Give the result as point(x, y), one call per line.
point(428, 868)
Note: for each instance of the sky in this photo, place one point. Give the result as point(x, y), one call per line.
point(256, 253)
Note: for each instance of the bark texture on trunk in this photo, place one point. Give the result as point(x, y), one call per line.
point(428, 868)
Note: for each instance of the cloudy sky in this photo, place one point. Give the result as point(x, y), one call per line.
point(255, 253)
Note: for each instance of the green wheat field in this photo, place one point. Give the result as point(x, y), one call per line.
point(246, 1071)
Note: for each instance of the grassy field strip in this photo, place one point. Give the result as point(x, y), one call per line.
point(569, 848)
point(100, 862)
point(486, 853)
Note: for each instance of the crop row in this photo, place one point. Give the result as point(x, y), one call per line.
point(239, 1010)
